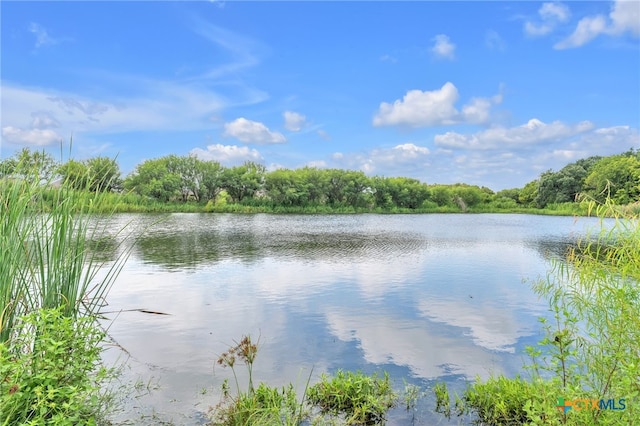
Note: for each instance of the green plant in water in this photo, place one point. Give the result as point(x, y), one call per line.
point(361, 399)
point(591, 351)
point(263, 405)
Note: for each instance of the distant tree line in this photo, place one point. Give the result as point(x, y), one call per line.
point(616, 177)
point(188, 179)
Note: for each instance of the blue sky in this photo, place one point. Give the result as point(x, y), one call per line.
point(486, 93)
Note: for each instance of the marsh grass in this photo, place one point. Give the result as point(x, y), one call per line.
point(45, 246)
point(48, 264)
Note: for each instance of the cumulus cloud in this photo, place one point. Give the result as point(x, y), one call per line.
point(623, 18)
point(252, 132)
point(532, 132)
point(420, 109)
point(293, 121)
point(392, 161)
point(442, 47)
point(33, 137)
point(550, 15)
point(434, 108)
point(227, 154)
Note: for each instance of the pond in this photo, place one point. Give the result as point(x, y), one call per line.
point(438, 297)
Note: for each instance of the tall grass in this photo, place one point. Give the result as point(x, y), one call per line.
point(44, 250)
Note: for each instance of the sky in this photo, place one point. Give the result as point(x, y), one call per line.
point(484, 93)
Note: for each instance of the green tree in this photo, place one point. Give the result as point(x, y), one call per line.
point(210, 175)
point(152, 178)
point(104, 174)
point(243, 182)
point(565, 185)
point(287, 188)
point(28, 165)
point(617, 177)
point(75, 174)
point(528, 194)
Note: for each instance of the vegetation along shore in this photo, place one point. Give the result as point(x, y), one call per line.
point(187, 184)
point(53, 287)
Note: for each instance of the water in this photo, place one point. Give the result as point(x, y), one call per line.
point(424, 297)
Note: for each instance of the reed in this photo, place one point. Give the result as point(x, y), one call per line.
point(45, 235)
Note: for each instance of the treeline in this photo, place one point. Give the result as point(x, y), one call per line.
point(189, 181)
point(616, 177)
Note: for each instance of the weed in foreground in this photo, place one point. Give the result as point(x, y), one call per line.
point(263, 405)
point(50, 374)
point(359, 398)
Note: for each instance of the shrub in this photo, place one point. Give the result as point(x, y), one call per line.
point(50, 373)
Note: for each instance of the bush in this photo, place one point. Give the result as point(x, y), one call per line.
point(50, 373)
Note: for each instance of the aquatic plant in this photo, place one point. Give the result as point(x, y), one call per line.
point(362, 399)
point(264, 405)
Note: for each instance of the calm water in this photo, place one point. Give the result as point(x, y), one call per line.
point(424, 297)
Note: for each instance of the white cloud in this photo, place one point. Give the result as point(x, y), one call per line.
point(244, 52)
point(227, 154)
point(33, 137)
point(293, 121)
point(419, 109)
point(318, 164)
point(394, 161)
point(477, 111)
point(554, 11)
point(443, 48)
point(550, 15)
point(43, 120)
point(157, 105)
point(42, 37)
point(531, 133)
point(252, 132)
point(624, 17)
point(434, 108)
point(409, 150)
point(494, 41)
point(588, 28)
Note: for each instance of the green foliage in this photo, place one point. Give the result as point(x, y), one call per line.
point(29, 165)
point(616, 177)
point(50, 373)
point(263, 405)
point(590, 349)
point(361, 399)
point(565, 185)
